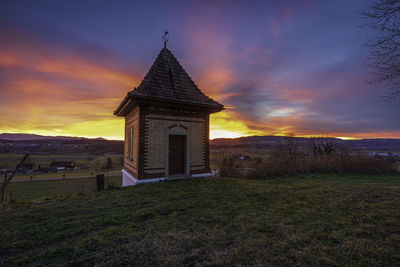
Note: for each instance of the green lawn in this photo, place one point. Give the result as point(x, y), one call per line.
point(65, 174)
point(91, 164)
point(10, 160)
point(217, 156)
point(39, 190)
point(309, 220)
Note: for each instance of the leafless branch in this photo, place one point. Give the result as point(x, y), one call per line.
point(383, 17)
point(7, 180)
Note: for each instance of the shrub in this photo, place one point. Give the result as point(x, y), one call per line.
point(280, 165)
point(293, 158)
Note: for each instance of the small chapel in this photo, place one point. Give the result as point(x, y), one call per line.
point(166, 125)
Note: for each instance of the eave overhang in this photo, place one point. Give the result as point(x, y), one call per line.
point(130, 102)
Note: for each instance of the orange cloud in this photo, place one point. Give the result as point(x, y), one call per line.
point(58, 92)
point(50, 90)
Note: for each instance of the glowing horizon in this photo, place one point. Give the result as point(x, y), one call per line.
point(213, 135)
point(67, 78)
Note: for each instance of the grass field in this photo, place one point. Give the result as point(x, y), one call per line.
point(217, 156)
point(65, 174)
point(40, 190)
point(91, 164)
point(11, 160)
point(310, 220)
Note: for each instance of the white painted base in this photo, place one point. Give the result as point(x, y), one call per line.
point(129, 180)
point(209, 174)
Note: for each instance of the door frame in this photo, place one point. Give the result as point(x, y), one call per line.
point(177, 129)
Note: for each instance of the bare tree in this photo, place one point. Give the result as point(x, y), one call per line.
point(383, 17)
point(7, 180)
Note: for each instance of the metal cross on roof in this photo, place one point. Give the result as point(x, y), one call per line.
point(165, 38)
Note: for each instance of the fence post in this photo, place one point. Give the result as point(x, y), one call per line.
point(100, 182)
point(3, 188)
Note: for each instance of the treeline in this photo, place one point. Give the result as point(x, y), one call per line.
point(90, 146)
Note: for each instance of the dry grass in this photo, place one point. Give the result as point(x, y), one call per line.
point(282, 165)
point(293, 158)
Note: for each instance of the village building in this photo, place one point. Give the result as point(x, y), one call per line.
point(63, 164)
point(166, 125)
point(26, 168)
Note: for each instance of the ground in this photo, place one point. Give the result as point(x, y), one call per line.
point(94, 164)
point(41, 190)
point(91, 164)
point(309, 220)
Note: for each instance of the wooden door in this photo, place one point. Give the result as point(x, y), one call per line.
point(177, 154)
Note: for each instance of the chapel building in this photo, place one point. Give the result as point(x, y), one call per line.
point(166, 125)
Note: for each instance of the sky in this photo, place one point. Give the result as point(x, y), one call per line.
point(279, 67)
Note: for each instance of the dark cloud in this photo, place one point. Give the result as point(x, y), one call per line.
point(282, 66)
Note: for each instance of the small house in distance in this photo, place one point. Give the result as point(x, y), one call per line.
point(63, 164)
point(166, 125)
point(26, 168)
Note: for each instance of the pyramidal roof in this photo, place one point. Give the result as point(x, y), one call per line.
point(167, 81)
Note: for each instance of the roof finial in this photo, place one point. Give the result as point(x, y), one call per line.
point(165, 38)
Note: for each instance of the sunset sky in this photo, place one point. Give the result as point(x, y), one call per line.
point(279, 67)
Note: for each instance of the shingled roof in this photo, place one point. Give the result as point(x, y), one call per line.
point(167, 81)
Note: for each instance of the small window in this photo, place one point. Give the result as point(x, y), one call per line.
point(129, 139)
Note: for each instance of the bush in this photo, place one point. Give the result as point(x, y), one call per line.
point(108, 165)
point(314, 155)
point(318, 156)
point(280, 165)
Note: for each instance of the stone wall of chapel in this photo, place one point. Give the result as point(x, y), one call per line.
point(155, 140)
point(132, 120)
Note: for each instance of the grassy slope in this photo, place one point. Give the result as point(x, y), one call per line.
point(308, 220)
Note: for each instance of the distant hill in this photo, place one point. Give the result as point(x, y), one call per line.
point(23, 137)
point(33, 143)
point(265, 141)
point(249, 141)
